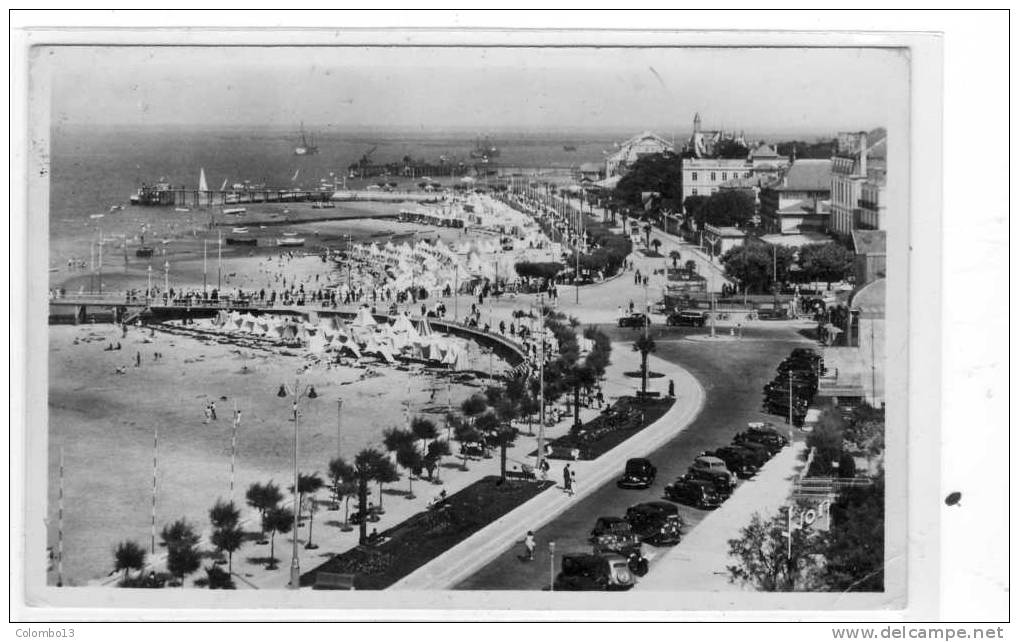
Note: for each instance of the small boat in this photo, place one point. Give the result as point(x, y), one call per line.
point(234, 210)
point(116, 208)
point(165, 241)
point(240, 230)
point(569, 148)
point(290, 242)
point(230, 240)
point(96, 215)
point(290, 234)
point(181, 209)
point(144, 251)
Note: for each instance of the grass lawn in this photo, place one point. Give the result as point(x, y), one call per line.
point(423, 537)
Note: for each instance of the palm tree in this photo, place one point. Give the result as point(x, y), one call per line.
point(182, 559)
point(228, 539)
point(436, 451)
point(367, 466)
point(645, 345)
point(394, 438)
point(647, 234)
point(307, 486)
point(410, 458)
point(580, 376)
point(497, 432)
point(674, 255)
point(263, 498)
point(128, 555)
point(656, 244)
point(691, 266)
point(276, 519)
point(386, 474)
point(465, 433)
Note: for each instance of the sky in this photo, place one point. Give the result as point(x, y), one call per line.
point(417, 88)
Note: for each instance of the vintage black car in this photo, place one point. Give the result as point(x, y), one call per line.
point(657, 523)
point(686, 317)
point(635, 320)
point(615, 535)
point(588, 572)
point(639, 473)
point(723, 481)
point(768, 435)
point(739, 460)
point(759, 454)
point(693, 492)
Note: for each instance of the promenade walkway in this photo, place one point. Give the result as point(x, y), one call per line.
point(699, 562)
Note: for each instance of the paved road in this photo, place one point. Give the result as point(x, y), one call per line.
point(732, 374)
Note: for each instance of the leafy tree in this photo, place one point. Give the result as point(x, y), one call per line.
point(762, 560)
point(307, 486)
point(538, 270)
point(645, 345)
point(341, 479)
point(854, 546)
point(727, 207)
point(278, 519)
point(691, 266)
point(436, 451)
point(498, 433)
point(409, 457)
point(661, 173)
point(580, 377)
point(128, 555)
point(179, 532)
point(228, 539)
point(465, 433)
point(692, 206)
point(369, 466)
point(217, 578)
point(224, 514)
point(263, 497)
point(474, 405)
point(826, 262)
point(827, 441)
point(394, 438)
point(754, 265)
point(424, 429)
point(182, 559)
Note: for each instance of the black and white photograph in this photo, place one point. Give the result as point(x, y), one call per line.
point(581, 321)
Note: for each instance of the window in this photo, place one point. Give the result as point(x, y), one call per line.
point(712, 176)
point(694, 192)
point(724, 177)
point(693, 177)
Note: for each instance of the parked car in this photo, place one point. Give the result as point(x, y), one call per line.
point(615, 535)
point(768, 435)
point(710, 463)
point(686, 317)
point(589, 572)
point(657, 523)
point(724, 482)
point(758, 453)
point(693, 492)
point(635, 320)
point(739, 460)
point(639, 473)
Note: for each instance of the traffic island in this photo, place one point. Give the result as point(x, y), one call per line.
point(416, 541)
point(624, 419)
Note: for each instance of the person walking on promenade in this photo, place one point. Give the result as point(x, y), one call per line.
point(529, 545)
point(138, 360)
point(207, 414)
point(567, 479)
point(573, 482)
point(672, 388)
point(212, 410)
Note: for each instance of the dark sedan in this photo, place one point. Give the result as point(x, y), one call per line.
point(636, 320)
point(639, 473)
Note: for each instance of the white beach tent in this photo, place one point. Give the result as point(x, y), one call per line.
point(364, 319)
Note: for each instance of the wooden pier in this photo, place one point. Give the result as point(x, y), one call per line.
point(183, 197)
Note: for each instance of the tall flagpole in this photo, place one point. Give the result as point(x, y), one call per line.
point(541, 384)
point(233, 448)
point(60, 522)
point(155, 467)
point(219, 266)
point(205, 265)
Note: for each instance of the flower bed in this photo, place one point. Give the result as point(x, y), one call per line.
point(426, 535)
point(616, 424)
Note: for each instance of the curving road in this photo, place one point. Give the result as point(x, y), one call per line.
point(732, 373)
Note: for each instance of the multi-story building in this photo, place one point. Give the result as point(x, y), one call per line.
point(643, 144)
point(857, 186)
point(705, 176)
point(797, 201)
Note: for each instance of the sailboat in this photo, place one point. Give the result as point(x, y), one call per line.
point(294, 177)
point(222, 187)
point(305, 148)
point(203, 186)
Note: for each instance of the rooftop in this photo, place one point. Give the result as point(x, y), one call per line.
point(807, 174)
point(795, 240)
point(805, 207)
point(869, 241)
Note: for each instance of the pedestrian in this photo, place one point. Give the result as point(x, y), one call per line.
point(672, 388)
point(212, 410)
point(631, 306)
point(573, 482)
point(529, 545)
point(207, 414)
point(567, 480)
point(138, 360)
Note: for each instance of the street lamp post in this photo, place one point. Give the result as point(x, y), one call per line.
point(295, 561)
point(219, 261)
point(148, 291)
point(551, 566)
point(166, 280)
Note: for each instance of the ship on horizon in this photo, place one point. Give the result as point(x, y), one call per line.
point(305, 148)
point(484, 149)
